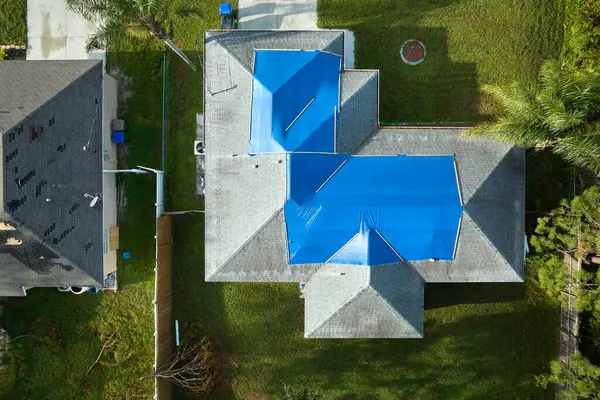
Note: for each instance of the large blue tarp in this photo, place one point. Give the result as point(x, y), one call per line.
point(295, 98)
point(371, 210)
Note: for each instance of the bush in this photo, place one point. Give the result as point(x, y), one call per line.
point(13, 21)
point(2, 54)
point(582, 35)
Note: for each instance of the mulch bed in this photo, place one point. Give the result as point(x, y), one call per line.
point(15, 54)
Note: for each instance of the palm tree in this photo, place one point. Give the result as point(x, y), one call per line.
point(116, 18)
point(561, 112)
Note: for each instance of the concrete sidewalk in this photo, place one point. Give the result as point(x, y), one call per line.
point(55, 33)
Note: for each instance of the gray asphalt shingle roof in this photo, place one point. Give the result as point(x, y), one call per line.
point(385, 301)
point(246, 237)
point(49, 112)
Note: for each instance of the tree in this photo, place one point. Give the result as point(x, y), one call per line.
point(580, 379)
point(572, 229)
point(561, 112)
point(116, 18)
point(553, 276)
point(194, 366)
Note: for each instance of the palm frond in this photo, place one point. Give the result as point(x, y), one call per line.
point(516, 100)
point(98, 10)
point(583, 151)
point(138, 31)
point(509, 130)
point(151, 8)
point(104, 34)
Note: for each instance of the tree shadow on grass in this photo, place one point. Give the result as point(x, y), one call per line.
point(549, 179)
point(492, 355)
point(197, 303)
point(447, 294)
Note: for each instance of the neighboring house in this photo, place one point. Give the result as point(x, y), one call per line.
point(58, 206)
point(304, 185)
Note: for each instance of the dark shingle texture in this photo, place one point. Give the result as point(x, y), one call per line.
point(28, 85)
point(46, 174)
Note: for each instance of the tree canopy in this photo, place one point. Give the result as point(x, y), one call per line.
point(580, 379)
point(572, 229)
point(561, 112)
point(119, 18)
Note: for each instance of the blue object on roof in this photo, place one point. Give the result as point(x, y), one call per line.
point(371, 210)
point(118, 137)
point(225, 9)
point(295, 101)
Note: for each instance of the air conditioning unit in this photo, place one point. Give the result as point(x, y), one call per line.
point(199, 148)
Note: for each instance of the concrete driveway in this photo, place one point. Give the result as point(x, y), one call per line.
point(277, 14)
point(55, 33)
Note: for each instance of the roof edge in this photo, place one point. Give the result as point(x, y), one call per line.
point(94, 65)
point(212, 277)
point(30, 233)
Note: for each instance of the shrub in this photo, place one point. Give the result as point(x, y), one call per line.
point(582, 35)
point(3, 54)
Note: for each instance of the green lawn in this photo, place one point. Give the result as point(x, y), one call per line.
point(468, 42)
point(13, 21)
point(68, 331)
point(481, 341)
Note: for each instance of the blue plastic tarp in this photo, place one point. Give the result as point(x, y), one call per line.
point(295, 97)
point(371, 210)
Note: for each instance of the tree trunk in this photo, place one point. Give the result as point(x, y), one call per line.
point(179, 52)
point(159, 32)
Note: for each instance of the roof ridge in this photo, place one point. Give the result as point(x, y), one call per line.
point(373, 76)
point(393, 309)
point(245, 243)
point(485, 178)
point(232, 54)
point(339, 309)
point(489, 242)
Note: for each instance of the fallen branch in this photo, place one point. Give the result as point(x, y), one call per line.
point(111, 341)
point(194, 366)
point(12, 340)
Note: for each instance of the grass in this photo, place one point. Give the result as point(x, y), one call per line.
point(13, 21)
point(481, 341)
point(469, 43)
point(66, 332)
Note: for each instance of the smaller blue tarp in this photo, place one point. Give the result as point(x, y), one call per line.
point(371, 210)
point(295, 98)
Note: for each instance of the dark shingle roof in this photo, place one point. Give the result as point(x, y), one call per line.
point(53, 110)
point(245, 226)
